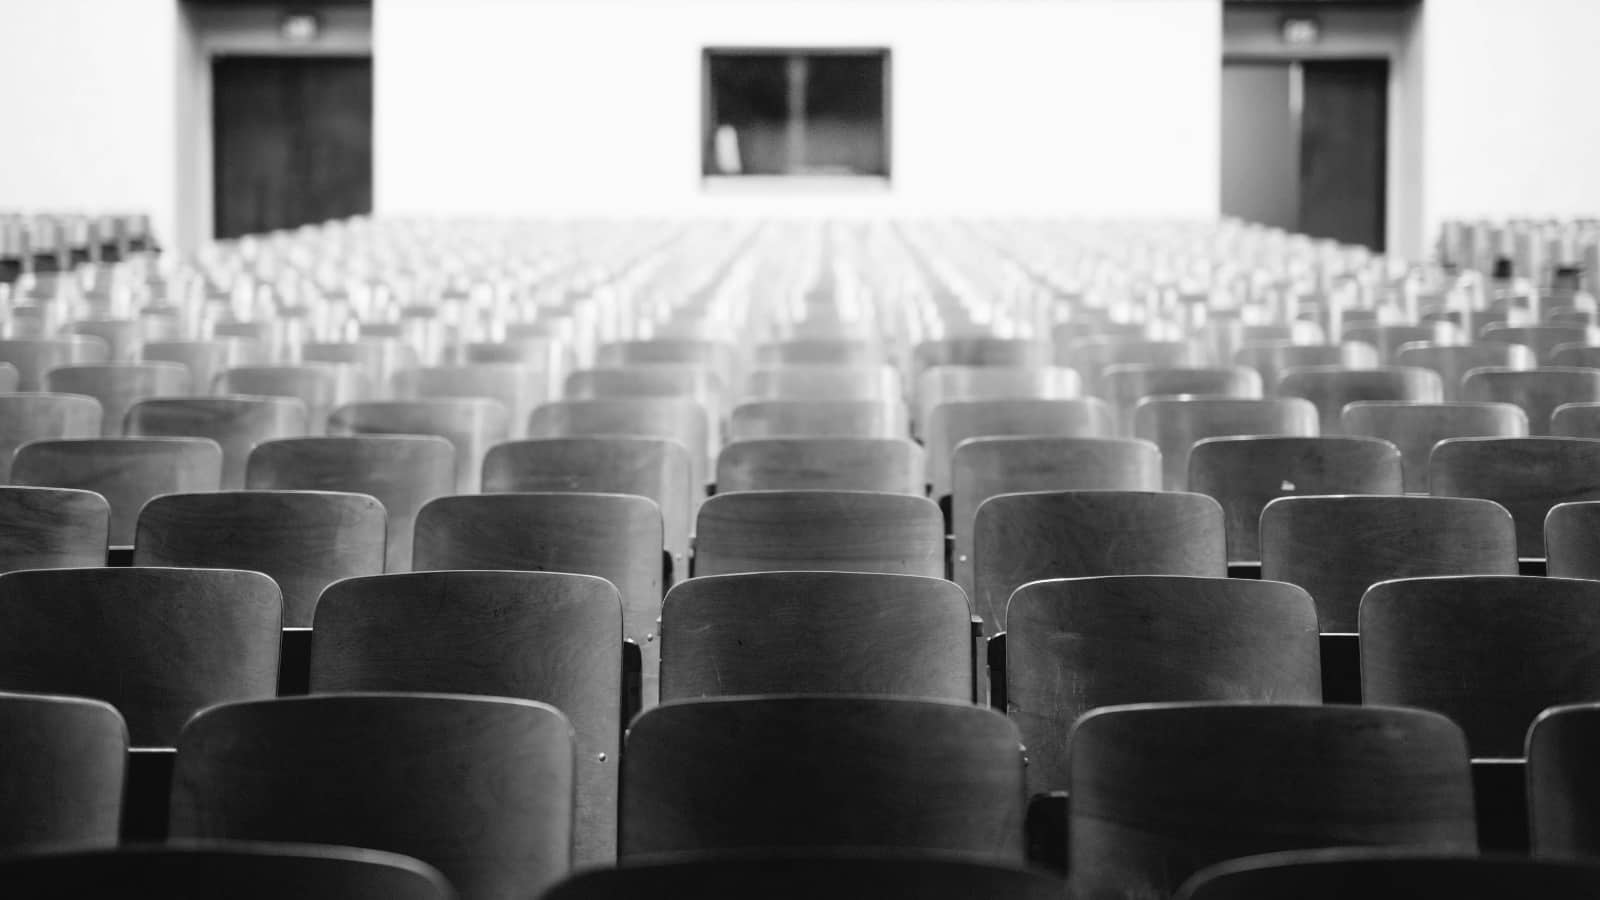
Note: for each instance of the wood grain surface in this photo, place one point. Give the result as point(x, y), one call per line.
point(236, 423)
point(1525, 475)
point(848, 531)
point(126, 471)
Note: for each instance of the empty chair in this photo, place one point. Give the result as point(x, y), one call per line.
point(1244, 474)
point(236, 423)
point(1018, 538)
point(547, 357)
point(1176, 424)
point(158, 644)
point(715, 356)
point(62, 769)
point(403, 472)
point(1091, 356)
point(546, 636)
point(1075, 644)
point(1389, 339)
point(1576, 420)
point(980, 350)
point(1453, 362)
point(816, 633)
point(1583, 356)
point(819, 382)
point(822, 351)
point(9, 379)
point(1331, 387)
point(43, 417)
point(1563, 792)
point(1537, 391)
point(126, 471)
point(205, 360)
point(239, 870)
point(702, 385)
point(818, 418)
point(1572, 540)
point(945, 384)
point(118, 386)
point(1163, 790)
point(830, 464)
point(1390, 875)
point(518, 388)
point(951, 423)
point(52, 528)
point(1541, 339)
point(1336, 547)
point(33, 357)
point(1525, 475)
point(988, 467)
point(1489, 652)
point(865, 773)
point(846, 531)
point(479, 787)
point(1273, 358)
point(472, 425)
point(1125, 385)
point(319, 387)
point(303, 540)
point(376, 360)
point(678, 419)
point(121, 336)
point(1415, 428)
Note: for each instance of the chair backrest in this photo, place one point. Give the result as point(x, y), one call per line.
point(980, 350)
point(1388, 874)
point(1537, 391)
point(1163, 790)
point(403, 472)
point(1572, 540)
point(893, 465)
point(822, 382)
point(868, 773)
point(546, 636)
point(845, 531)
point(1176, 424)
point(1018, 538)
point(816, 633)
point(126, 471)
point(700, 384)
point(948, 384)
point(1489, 652)
point(33, 357)
point(121, 335)
point(822, 352)
point(951, 423)
point(303, 540)
point(1541, 339)
point(118, 386)
point(43, 417)
point(1454, 361)
point(1576, 420)
point(239, 870)
point(1075, 644)
point(818, 418)
point(158, 644)
point(1092, 356)
point(517, 387)
point(716, 356)
point(62, 771)
point(479, 787)
point(1331, 387)
point(52, 528)
point(1389, 339)
point(471, 424)
point(1416, 427)
point(1336, 547)
point(1563, 787)
point(675, 418)
point(321, 387)
point(1244, 474)
point(205, 359)
point(1272, 358)
point(236, 423)
point(1525, 475)
point(1125, 385)
point(377, 360)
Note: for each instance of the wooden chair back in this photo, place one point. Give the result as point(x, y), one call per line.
point(1538, 392)
point(823, 382)
point(1454, 361)
point(376, 359)
point(52, 528)
point(892, 465)
point(1092, 356)
point(43, 417)
point(1331, 387)
point(1541, 339)
point(126, 471)
point(760, 419)
point(321, 387)
point(1572, 540)
point(62, 773)
point(472, 425)
point(1415, 428)
point(236, 423)
point(1389, 339)
point(1563, 787)
point(517, 387)
point(948, 384)
point(205, 359)
point(674, 418)
point(951, 423)
point(1176, 424)
point(844, 531)
point(1388, 874)
point(862, 352)
point(1272, 358)
point(980, 350)
point(122, 336)
point(1527, 476)
point(1123, 386)
point(118, 386)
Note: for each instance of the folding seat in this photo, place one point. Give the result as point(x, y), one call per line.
point(676, 418)
point(52, 528)
point(403, 472)
point(239, 870)
point(1563, 792)
point(546, 636)
point(320, 387)
point(946, 384)
point(1537, 391)
point(1453, 362)
point(859, 773)
point(845, 531)
point(1123, 386)
point(33, 357)
point(1541, 339)
point(1018, 538)
point(988, 467)
point(472, 425)
point(1332, 387)
point(1273, 358)
point(548, 358)
point(1415, 428)
point(1160, 791)
point(1390, 338)
point(41, 417)
point(118, 386)
point(754, 420)
point(843, 876)
point(1176, 424)
point(1075, 644)
point(818, 382)
point(303, 540)
point(1093, 356)
point(716, 356)
point(662, 380)
point(816, 633)
point(517, 387)
point(479, 787)
point(1572, 540)
point(979, 350)
point(126, 471)
point(236, 423)
point(377, 361)
point(1386, 874)
point(1244, 474)
point(951, 423)
point(205, 360)
point(122, 336)
point(158, 644)
point(1527, 476)
point(62, 771)
point(893, 465)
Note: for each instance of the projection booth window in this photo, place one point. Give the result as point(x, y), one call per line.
point(809, 112)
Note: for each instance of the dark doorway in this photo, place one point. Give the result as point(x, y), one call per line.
point(1305, 146)
point(291, 139)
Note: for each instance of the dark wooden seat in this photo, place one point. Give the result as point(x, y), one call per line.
point(546, 636)
point(52, 528)
point(43, 417)
point(303, 540)
point(1163, 790)
point(1454, 361)
point(236, 423)
point(760, 419)
point(1272, 358)
point(1576, 420)
point(893, 465)
point(1563, 790)
point(812, 773)
point(951, 423)
point(33, 357)
point(676, 418)
point(847, 531)
point(126, 471)
point(479, 787)
point(1489, 652)
point(949, 384)
point(62, 772)
point(519, 388)
point(403, 472)
point(822, 382)
point(320, 386)
point(1331, 387)
point(1572, 540)
point(1525, 475)
point(1537, 391)
point(1391, 875)
point(158, 644)
point(1416, 427)
point(1176, 424)
point(471, 425)
point(1123, 386)
point(1018, 538)
point(118, 386)
point(1244, 474)
point(1075, 644)
point(1336, 547)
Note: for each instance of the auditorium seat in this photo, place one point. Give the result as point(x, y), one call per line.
point(1331, 387)
point(948, 384)
point(376, 361)
point(1541, 339)
point(846, 531)
point(126, 471)
point(236, 423)
point(1563, 793)
point(1537, 391)
point(1454, 361)
point(1123, 386)
point(1273, 358)
point(679, 419)
point(1092, 356)
point(1525, 475)
point(518, 388)
point(1176, 424)
point(1415, 428)
point(1572, 540)
point(1387, 874)
point(122, 336)
point(821, 352)
point(33, 357)
point(205, 360)
point(319, 387)
point(822, 382)
point(62, 772)
point(1582, 356)
point(40, 417)
point(754, 420)
point(52, 528)
point(1576, 420)
point(1389, 339)
point(472, 425)
point(979, 350)
point(953, 422)
point(892, 465)
point(118, 386)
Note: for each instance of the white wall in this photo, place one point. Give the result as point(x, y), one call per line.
point(1087, 107)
